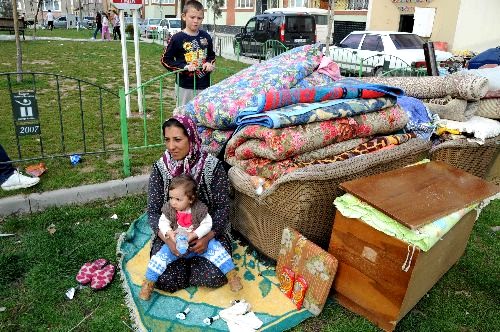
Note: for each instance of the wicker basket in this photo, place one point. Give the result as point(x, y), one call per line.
point(303, 199)
point(469, 156)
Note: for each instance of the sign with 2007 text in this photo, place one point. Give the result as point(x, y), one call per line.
point(127, 4)
point(25, 109)
point(24, 106)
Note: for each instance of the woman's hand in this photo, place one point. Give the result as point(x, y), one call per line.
point(199, 246)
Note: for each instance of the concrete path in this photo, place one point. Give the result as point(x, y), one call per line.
point(21, 204)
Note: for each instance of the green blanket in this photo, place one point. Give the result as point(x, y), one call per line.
point(259, 281)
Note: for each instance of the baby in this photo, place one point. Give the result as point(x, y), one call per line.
point(184, 219)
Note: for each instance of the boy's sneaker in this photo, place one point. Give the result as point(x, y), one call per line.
point(19, 181)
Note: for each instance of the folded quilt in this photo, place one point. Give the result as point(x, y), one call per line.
point(459, 85)
point(217, 106)
point(375, 144)
point(424, 237)
point(302, 113)
point(421, 121)
point(213, 140)
point(348, 89)
point(270, 153)
point(331, 150)
point(489, 108)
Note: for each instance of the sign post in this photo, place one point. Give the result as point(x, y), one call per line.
point(133, 5)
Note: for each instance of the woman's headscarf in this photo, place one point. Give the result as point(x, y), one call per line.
point(194, 162)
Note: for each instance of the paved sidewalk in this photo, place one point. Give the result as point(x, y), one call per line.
point(77, 195)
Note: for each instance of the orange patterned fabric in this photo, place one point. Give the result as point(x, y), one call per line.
point(307, 260)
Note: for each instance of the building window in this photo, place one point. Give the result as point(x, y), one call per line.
point(53, 5)
point(297, 3)
point(244, 4)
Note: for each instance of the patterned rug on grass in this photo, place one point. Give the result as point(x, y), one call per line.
point(159, 314)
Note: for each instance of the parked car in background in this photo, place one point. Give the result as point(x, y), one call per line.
point(382, 51)
point(488, 57)
point(320, 16)
point(88, 22)
point(290, 29)
point(150, 27)
point(129, 20)
point(170, 26)
point(61, 22)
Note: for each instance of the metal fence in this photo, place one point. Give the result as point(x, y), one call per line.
point(158, 102)
point(54, 115)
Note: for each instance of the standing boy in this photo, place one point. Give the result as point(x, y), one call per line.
point(190, 49)
point(50, 20)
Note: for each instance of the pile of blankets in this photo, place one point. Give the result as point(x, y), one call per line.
point(467, 102)
point(296, 110)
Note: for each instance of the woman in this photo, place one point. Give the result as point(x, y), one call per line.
point(184, 156)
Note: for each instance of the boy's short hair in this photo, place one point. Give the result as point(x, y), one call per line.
point(192, 4)
point(184, 181)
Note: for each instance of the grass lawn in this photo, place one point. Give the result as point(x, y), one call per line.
point(98, 63)
point(38, 267)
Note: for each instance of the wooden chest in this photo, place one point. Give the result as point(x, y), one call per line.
point(380, 277)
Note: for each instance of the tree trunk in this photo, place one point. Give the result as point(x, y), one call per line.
point(330, 27)
point(18, 42)
point(38, 6)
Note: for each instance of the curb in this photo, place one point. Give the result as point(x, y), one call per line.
point(22, 204)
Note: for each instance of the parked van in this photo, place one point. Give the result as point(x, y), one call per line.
point(291, 29)
point(320, 16)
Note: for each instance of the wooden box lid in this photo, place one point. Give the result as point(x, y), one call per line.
point(420, 194)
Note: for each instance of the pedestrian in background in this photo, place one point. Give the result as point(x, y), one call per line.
point(105, 27)
point(50, 20)
point(116, 26)
point(98, 22)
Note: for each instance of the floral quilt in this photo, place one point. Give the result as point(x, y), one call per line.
point(302, 113)
point(270, 153)
point(218, 106)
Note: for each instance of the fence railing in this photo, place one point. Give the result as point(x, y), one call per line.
point(55, 115)
point(250, 47)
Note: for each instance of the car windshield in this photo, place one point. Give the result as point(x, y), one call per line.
point(154, 21)
point(407, 41)
point(175, 23)
point(299, 24)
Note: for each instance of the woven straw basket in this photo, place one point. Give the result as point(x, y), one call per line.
point(303, 199)
point(469, 156)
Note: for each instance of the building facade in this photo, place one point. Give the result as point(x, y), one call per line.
point(461, 24)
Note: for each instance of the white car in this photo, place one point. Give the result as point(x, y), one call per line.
point(170, 26)
point(381, 51)
point(150, 27)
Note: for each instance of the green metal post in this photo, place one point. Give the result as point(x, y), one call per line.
point(123, 128)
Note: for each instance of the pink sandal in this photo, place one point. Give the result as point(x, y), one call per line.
point(103, 277)
point(88, 270)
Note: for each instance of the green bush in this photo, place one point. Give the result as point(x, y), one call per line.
point(129, 29)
